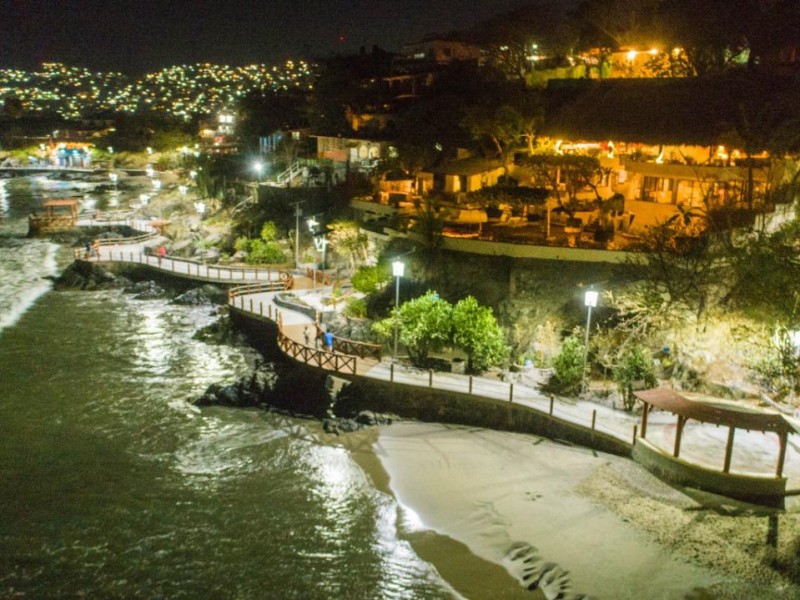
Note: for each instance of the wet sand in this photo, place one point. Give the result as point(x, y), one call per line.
point(474, 500)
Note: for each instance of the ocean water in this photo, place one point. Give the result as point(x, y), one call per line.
point(113, 485)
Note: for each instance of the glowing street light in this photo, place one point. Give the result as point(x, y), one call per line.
point(589, 301)
point(398, 269)
point(258, 167)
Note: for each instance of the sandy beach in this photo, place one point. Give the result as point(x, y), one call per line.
point(495, 512)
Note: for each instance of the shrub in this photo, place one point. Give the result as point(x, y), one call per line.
point(261, 252)
point(633, 366)
point(367, 280)
point(356, 308)
point(568, 367)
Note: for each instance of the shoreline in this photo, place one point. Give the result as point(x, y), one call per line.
point(469, 575)
point(512, 502)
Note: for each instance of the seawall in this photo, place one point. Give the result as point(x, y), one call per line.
point(436, 405)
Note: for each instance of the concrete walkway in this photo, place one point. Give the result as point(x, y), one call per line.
point(755, 453)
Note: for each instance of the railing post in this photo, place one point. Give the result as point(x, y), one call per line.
point(270, 311)
point(551, 404)
point(511, 392)
point(251, 305)
point(430, 378)
point(470, 384)
point(391, 373)
point(261, 308)
point(635, 432)
point(594, 418)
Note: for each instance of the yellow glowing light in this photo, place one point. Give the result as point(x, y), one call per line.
point(653, 51)
point(632, 55)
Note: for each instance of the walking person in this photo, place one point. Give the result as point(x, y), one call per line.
point(306, 335)
point(96, 248)
point(162, 253)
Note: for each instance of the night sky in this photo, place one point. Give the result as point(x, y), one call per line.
point(138, 36)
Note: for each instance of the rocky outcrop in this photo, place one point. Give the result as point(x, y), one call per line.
point(145, 290)
point(207, 294)
point(221, 331)
point(337, 425)
point(88, 276)
point(252, 391)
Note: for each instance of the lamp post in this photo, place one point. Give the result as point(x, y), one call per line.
point(590, 301)
point(312, 222)
point(258, 167)
point(398, 268)
point(298, 212)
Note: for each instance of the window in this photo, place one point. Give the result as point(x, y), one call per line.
point(656, 189)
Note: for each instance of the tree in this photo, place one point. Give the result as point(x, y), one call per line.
point(568, 367)
point(576, 171)
point(613, 24)
point(424, 325)
point(476, 332)
point(708, 32)
point(347, 239)
point(633, 368)
point(509, 39)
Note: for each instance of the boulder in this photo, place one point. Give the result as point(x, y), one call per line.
point(145, 290)
point(88, 276)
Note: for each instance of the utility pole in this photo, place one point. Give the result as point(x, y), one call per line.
point(298, 212)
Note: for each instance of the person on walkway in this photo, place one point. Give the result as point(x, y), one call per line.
point(162, 253)
point(329, 341)
point(306, 335)
point(96, 248)
point(88, 247)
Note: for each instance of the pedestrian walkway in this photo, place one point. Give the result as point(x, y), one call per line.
point(702, 444)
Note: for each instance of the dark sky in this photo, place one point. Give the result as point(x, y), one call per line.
point(137, 36)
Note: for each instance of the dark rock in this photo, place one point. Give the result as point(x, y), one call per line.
point(337, 426)
point(371, 419)
point(87, 276)
point(207, 294)
point(146, 290)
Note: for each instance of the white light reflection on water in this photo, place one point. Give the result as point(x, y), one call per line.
point(3, 198)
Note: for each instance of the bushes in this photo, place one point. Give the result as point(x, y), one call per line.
point(568, 366)
point(367, 280)
point(264, 250)
point(634, 369)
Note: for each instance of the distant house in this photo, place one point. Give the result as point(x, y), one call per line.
point(219, 135)
point(666, 143)
point(353, 154)
point(460, 176)
point(440, 50)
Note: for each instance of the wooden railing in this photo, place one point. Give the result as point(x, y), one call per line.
point(352, 347)
point(285, 281)
point(330, 361)
point(319, 276)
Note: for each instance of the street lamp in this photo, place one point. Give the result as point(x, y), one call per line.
point(258, 167)
point(398, 268)
point(589, 301)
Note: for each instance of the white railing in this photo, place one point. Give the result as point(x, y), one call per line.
point(188, 268)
